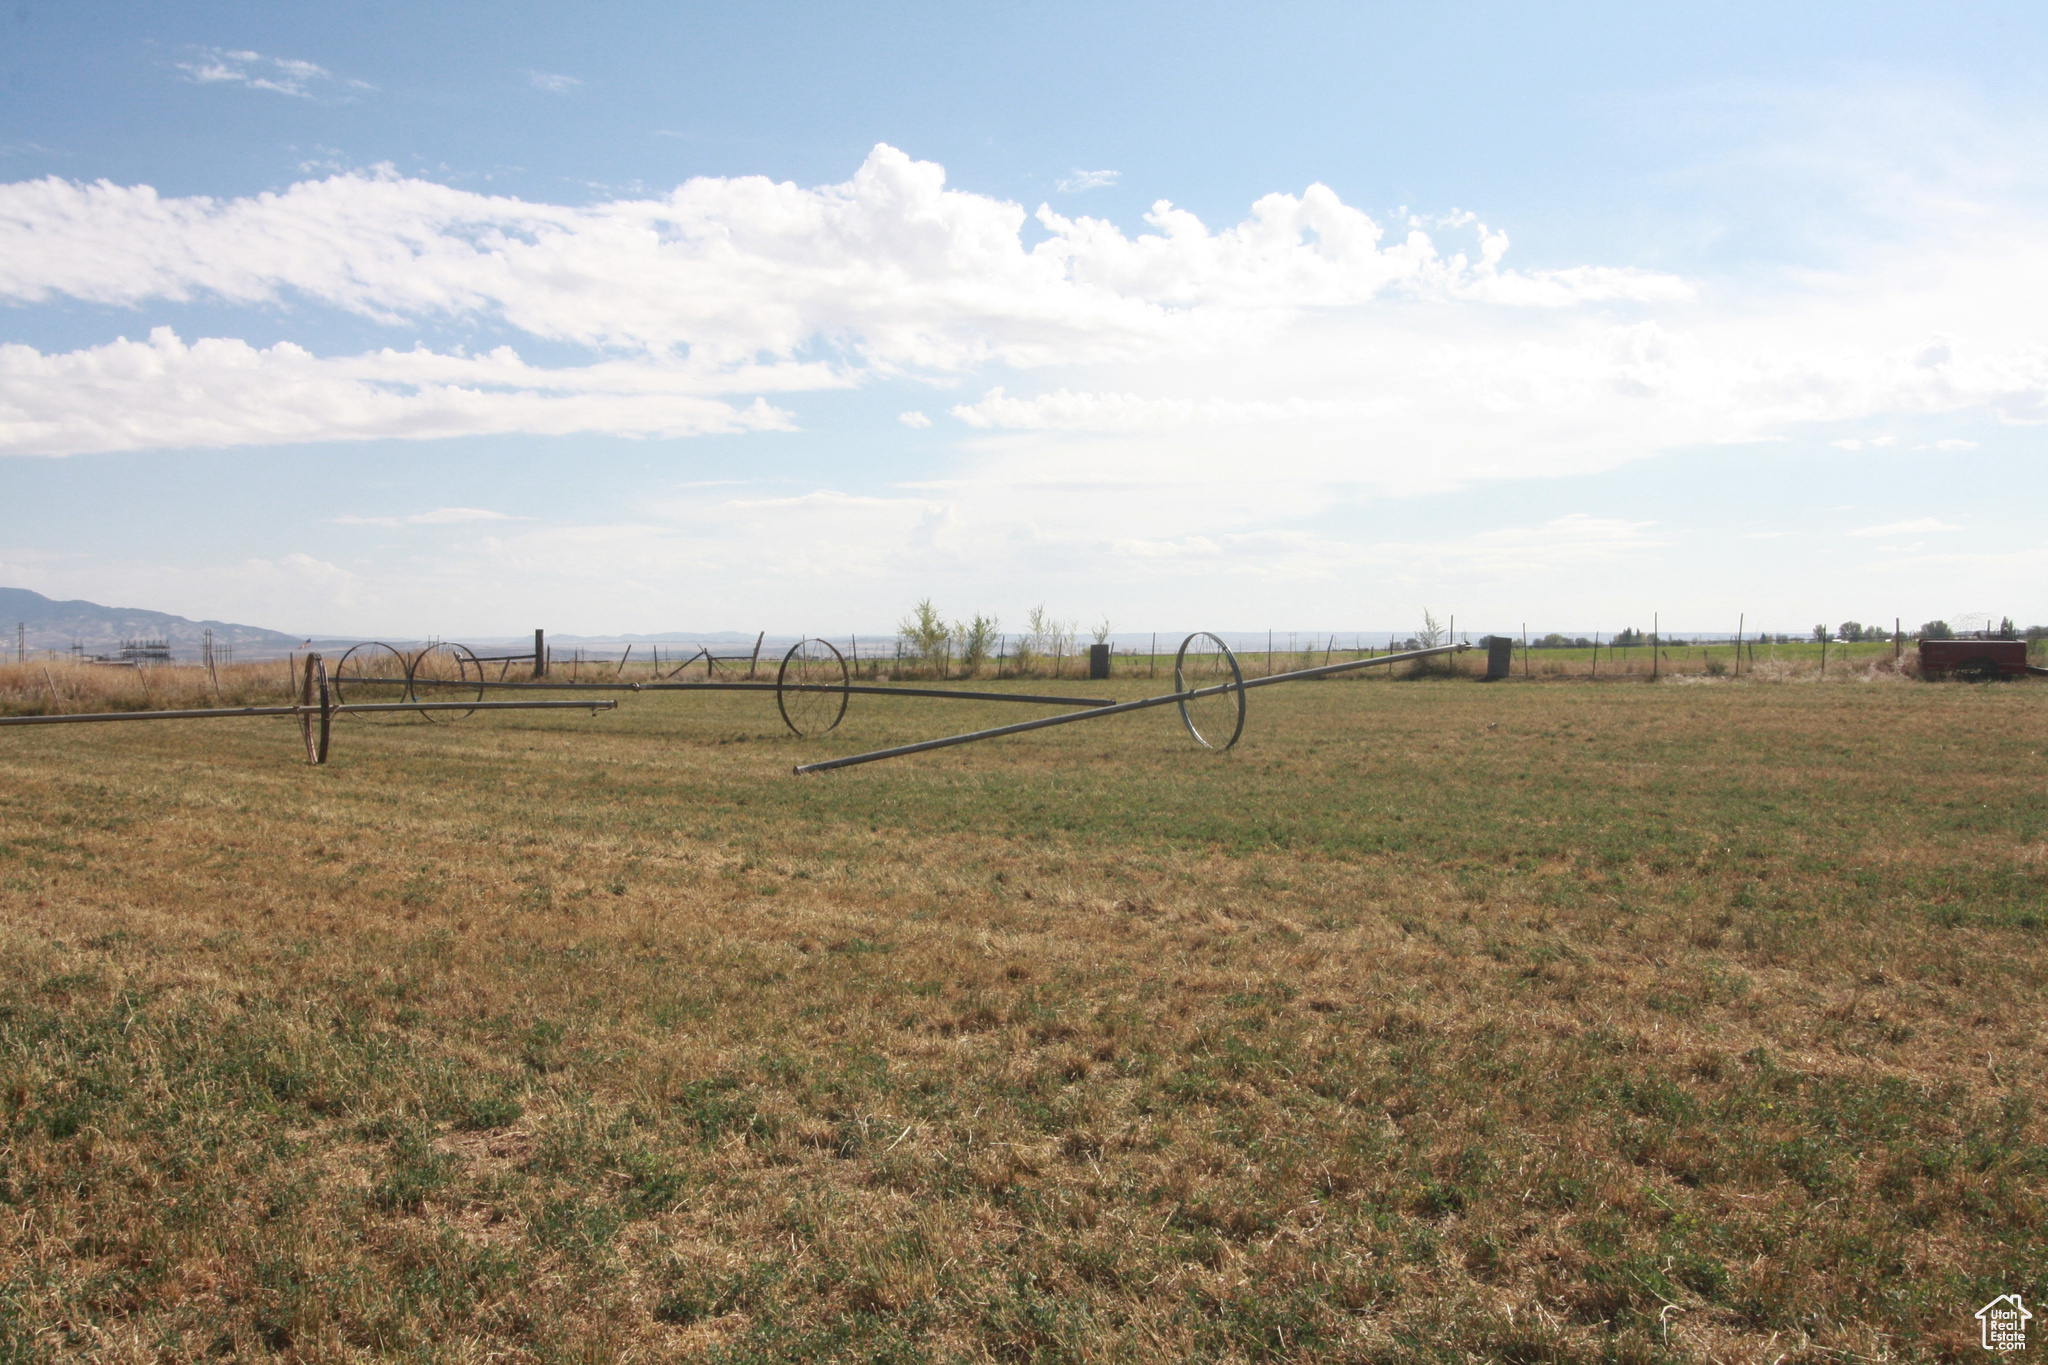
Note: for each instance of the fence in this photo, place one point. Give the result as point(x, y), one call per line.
point(1619, 656)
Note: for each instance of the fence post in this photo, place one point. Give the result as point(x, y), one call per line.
point(1656, 644)
point(540, 654)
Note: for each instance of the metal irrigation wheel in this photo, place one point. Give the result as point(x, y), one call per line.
point(446, 673)
point(373, 673)
point(810, 687)
point(1215, 720)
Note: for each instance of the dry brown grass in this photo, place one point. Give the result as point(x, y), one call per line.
point(61, 687)
point(1438, 1021)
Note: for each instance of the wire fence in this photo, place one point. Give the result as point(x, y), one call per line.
point(1623, 654)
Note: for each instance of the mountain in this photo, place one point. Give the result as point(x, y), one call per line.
point(54, 625)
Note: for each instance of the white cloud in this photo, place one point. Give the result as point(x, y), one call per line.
point(1564, 542)
point(1272, 367)
point(440, 516)
point(1079, 180)
point(279, 75)
point(1066, 411)
point(551, 82)
point(130, 395)
point(1906, 528)
point(915, 420)
point(891, 265)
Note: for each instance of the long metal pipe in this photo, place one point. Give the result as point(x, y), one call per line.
point(861, 689)
point(226, 712)
point(1143, 703)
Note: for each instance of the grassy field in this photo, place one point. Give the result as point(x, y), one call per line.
point(1439, 1021)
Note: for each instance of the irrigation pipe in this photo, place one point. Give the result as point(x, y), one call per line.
point(855, 688)
point(1120, 708)
point(226, 712)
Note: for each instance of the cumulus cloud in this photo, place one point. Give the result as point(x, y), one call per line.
point(551, 82)
point(130, 395)
point(892, 265)
point(915, 420)
point(1334, 351)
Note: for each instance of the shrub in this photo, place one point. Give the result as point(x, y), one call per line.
point(926, 636)
point(973, 640)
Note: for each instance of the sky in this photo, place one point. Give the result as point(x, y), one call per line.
point(459, 320)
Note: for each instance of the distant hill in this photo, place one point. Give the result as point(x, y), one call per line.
point(55, 625)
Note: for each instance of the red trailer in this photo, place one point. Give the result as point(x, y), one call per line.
point(1975, 660)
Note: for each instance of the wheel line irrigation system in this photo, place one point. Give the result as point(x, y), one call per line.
point(322, 697)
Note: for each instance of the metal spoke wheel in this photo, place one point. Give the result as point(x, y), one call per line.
point(810, 687)
point(373, 673)
point(446, 673)
point(1205, 663)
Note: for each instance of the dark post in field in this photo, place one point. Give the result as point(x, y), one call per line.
point(540, 654)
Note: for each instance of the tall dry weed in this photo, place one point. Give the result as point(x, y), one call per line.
point(65, 687)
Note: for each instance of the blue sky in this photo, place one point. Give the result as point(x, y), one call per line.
point(464, 319)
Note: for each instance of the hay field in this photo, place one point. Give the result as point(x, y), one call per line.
point(1439, 1021)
